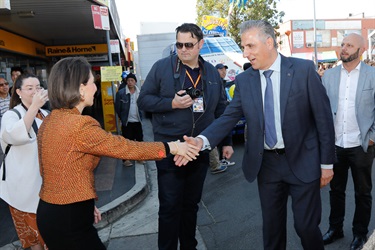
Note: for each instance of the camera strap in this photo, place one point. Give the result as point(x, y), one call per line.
point(191, 79)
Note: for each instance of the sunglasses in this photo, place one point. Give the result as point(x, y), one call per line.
point(187, 45)
point(4, 84)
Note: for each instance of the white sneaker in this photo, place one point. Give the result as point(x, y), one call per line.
point(227, 163)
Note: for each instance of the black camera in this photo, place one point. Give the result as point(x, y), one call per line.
point(192, 92)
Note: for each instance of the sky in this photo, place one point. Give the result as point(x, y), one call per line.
point(132, 13)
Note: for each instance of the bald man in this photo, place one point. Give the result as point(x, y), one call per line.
point(351, 91)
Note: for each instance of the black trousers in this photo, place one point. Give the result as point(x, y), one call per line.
point(133, 131)
point(180, 191)
point(276, 182)
point(68, 226)
point(360, 164)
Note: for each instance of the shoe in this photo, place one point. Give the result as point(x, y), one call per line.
point(127, 163)
point(141, 162)
point(227, 163)
point(220, 169)
point(358, 242)
point(332, 235)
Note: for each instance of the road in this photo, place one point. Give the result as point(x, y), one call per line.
point(230, 215)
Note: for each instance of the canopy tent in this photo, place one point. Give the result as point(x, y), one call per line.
point(324, 56)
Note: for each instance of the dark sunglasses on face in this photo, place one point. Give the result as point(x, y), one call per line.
point(187, 45)
point(4, 84)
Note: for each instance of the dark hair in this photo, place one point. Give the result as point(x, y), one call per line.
point(64, 81)
point(15, 98)
point(16, 69)
point(265, 28)
point(191, 28)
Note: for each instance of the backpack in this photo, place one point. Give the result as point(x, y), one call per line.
point(9, 145)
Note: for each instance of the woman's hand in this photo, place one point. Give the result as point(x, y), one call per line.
point(97, 215)
point(40, 98)
point(184, 151)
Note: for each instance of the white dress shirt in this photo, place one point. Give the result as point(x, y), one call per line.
point(347, 130)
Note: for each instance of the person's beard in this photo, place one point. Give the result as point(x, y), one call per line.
point(351, 57)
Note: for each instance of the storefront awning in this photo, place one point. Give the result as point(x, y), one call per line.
point(325, 56)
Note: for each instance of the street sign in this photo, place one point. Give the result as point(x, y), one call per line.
point(100, 17)
point(115, 46)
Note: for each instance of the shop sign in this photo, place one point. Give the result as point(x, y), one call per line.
point(86, 49)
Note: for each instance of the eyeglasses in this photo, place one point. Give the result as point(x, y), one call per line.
point(31, 89)
point(4, 84)
point(187, 45)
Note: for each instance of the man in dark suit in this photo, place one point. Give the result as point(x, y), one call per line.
point(290, 149)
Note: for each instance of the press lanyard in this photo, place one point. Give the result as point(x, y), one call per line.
point(191, 79)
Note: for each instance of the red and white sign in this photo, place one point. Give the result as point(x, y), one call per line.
point(115, 46)
point(100, 16)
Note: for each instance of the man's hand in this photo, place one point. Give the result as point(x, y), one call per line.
point(180, 160)
point(181, 102)
point(227, 152)
point(327, 175)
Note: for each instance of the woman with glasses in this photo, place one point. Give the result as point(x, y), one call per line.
point(20, 177)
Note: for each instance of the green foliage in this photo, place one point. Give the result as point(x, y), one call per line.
point(253, 10)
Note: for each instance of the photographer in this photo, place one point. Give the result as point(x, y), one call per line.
point(170, 92)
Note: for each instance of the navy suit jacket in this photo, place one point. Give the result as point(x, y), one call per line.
point(306, 120)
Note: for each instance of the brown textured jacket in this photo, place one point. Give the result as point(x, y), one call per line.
point(70, 146)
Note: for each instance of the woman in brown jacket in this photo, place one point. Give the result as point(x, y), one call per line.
point(70, 146)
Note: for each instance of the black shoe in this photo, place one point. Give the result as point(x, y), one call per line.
point(332, 235)
point(358, 242)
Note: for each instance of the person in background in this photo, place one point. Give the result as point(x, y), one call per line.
point(351, 91)
point(4, 102)
point(246, 65)
point(172, 92)
point(98, 94)
point(21, 180)
point(128, 112)
point(4, 96)
point(222, 69)
point(123, 81)
point(70, 146)
point(290, 144)
point(14, 73)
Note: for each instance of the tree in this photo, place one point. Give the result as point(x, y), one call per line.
point(252, 10)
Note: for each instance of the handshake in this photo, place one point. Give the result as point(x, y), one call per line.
point(185, 151)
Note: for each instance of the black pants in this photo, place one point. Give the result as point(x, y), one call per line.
point(133, 131)
point(180, 191)
point(68, 226)
point(360, 164)
point(276, 182)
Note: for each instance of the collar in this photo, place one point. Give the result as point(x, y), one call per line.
point(275, 66)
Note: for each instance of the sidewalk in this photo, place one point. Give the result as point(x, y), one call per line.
point(138, 228)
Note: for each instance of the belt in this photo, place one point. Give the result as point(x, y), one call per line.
point(279, 151)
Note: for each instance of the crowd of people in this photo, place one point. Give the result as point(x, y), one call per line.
point(306, 129)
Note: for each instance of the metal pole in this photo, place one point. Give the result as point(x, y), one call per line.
point(112, 83)
point(109, 48)
point(315, 45)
